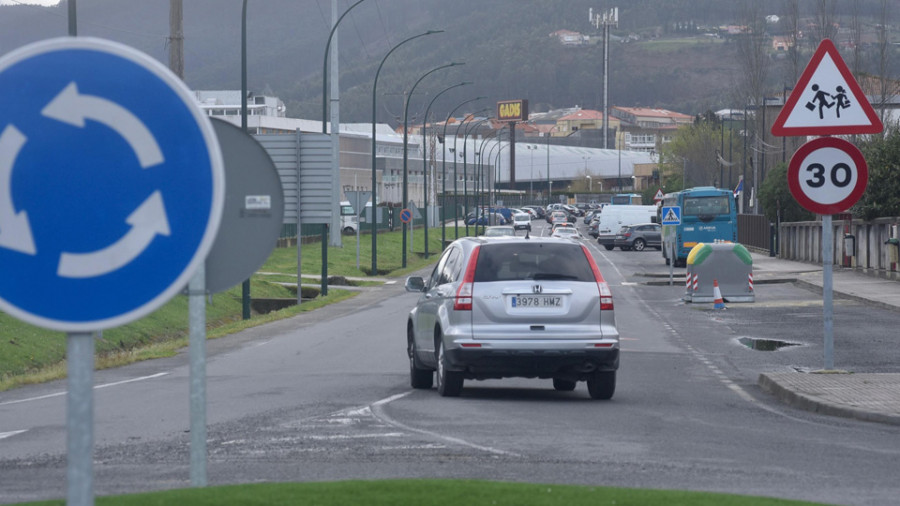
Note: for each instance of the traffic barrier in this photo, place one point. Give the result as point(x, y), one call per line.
point(727, 264)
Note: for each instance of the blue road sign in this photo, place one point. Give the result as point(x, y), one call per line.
point(671, 215)
point(111, 184)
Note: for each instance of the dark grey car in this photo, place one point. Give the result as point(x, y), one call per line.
point(513, 307)
point(638, 237)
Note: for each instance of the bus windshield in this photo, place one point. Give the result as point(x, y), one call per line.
point(706, 206)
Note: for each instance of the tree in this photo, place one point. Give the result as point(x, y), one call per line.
point(882, 196)
point(775, 198)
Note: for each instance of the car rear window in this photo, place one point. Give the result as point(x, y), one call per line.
point(536, 260)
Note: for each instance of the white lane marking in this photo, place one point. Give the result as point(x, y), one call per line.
point(379, 413)
point(4, 435)
point(96, 387)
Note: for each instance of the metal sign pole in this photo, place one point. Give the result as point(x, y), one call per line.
point(80, 419)
point(672, 265)
point(197, 318)
point(827, 300)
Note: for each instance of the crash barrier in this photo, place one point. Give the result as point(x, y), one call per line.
point(728, 264)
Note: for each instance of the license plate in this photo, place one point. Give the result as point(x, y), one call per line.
point(535, 301)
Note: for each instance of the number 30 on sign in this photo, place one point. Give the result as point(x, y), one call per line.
point(827, 175)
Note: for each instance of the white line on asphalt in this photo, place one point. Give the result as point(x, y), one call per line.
point(96, 387)
point(379, 413)
point(4, 435)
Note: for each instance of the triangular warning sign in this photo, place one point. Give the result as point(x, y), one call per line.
point(826, 100)
point(670, 216)
point(659, 195)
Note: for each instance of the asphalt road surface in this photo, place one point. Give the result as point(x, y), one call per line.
point(326, 396)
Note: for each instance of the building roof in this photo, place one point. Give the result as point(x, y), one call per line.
point(583, 114)
point(647, 112)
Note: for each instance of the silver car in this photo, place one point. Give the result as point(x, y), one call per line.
point(513, 307)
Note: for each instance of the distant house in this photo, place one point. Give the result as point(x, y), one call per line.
point(644, 128)
point(583, 119)
point(782, 43)
point(570, 38)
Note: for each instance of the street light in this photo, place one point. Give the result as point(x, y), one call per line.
point(325, 64)
point(374, 179)
point(425, 153)
point(444, 173)
point(531, 148)
point(549, 185)
point(590, 184)
point(405, 198)
point(466, 163)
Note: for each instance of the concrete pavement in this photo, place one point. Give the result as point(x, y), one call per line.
point(873, 397)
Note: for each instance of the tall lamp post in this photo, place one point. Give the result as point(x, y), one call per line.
point(444, 171)
point(405, 198)
point(531, 149)
point(425, 153)
point(374, 172)
point(466, 162)
point(549, 185)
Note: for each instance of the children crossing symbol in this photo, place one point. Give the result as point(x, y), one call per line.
point(826, 100)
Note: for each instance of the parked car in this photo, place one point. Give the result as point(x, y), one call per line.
point(486, 219)
point(538, 210)
point(557, 217)
point(638, 237)
point(521, 221)
point(499, 231)
point(590, 215)
point(614, 218)
point(498, 307)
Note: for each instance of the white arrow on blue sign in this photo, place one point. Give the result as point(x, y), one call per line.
point(111, 184)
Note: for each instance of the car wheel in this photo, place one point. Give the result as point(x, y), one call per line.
point(418, 376)
point(348, 231)
point(638, 245)
point(609, 247)
point(602, 385)
point(449, 383)
point(563, 385)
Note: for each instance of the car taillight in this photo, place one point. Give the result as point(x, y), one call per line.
point(627, 234)
point(463, 300)
point(606, 300)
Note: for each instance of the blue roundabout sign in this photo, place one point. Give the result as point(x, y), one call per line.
point(111, 184)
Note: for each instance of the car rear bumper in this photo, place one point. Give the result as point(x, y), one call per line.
point(606, 239)
point(501, 360)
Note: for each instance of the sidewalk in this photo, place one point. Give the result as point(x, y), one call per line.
point(870, 397)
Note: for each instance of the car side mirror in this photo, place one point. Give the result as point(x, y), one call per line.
point(415, 284)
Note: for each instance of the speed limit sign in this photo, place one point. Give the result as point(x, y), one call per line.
point(827, 175)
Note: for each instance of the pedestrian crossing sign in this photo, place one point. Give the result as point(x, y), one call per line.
point(827, 100)
point(671, 215)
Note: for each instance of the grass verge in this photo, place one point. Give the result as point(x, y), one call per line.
point(429, 493)
point(30, 354)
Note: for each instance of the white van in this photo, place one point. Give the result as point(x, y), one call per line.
point(349, 220)
point(615, 217)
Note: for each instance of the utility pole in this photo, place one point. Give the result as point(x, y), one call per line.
point(607, 19)
point(176, 38)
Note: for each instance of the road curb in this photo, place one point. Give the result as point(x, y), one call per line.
point(844, 295)
point(777, 384)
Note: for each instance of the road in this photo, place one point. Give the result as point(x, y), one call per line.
point(325, 396)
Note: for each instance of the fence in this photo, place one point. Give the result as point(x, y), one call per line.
point(755, 232)
point(802, 241)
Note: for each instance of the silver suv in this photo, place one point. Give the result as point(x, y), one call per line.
point(513, 307)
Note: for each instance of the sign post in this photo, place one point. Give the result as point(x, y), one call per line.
point(671, 215)
point(827, 175)
point(135, 205)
